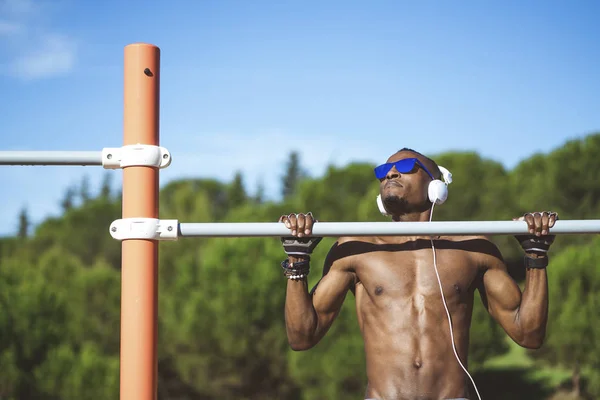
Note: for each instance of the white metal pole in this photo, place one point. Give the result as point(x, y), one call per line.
point(336, 229)
point(81, 158)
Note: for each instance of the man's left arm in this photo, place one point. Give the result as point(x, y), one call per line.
point(523, 315)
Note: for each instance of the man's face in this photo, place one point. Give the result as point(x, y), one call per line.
point(403, 191)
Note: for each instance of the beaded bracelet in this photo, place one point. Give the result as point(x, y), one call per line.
point(295, 270)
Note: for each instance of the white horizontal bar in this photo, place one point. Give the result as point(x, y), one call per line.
point(82, 158)
point(337, 229)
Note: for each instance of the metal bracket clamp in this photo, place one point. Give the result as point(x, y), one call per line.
point(135, 155)
point(145, 228)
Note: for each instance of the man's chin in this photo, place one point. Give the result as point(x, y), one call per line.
point(394, 203)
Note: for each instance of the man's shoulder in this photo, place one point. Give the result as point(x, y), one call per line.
point(476, 240)
point(481, 247)
point(357, 239)
point(358, 244)
point(470, 243)
point(346, 248)
point(459, 238)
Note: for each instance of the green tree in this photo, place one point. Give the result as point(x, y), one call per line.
point(293, 175)
point(231, 288)
point(573, 187)
point(83, 232)
point(236, 191)
point(221, 321)
point(478, 191)
point(206, 198)
point(562, 181)
point(259, 196)
point(68, 200)
point(24, 224)
point(36, 322)
point(84, 189)
point(337, 195)
point(106, 187)
point(574, 312)
point(74, 374)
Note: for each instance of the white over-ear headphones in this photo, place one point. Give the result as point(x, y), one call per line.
point(437, 191)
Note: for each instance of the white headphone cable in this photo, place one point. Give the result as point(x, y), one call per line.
point(448, 312)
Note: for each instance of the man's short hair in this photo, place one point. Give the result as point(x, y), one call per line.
point(432, 164)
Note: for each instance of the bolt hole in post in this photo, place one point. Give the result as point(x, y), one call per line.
point(148, 72)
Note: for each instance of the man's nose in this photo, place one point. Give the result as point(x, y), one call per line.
point(392, 173)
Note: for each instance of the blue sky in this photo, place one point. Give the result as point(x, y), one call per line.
point(244, 83)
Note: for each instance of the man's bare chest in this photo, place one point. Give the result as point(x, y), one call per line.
point(411, 271)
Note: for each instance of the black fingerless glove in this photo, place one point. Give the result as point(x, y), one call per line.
point(538, 245)
point(535, 244)
point(302, 247)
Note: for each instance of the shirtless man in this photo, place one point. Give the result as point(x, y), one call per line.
point(401, 312)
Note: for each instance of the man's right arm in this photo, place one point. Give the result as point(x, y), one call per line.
point(309, 315)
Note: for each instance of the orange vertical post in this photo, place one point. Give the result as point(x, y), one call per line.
point(139, 274)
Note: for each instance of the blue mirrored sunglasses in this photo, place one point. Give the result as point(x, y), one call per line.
point(403, 166)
